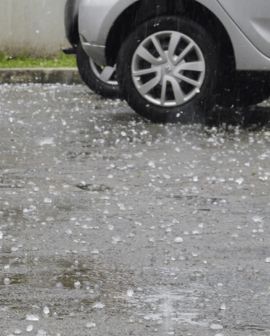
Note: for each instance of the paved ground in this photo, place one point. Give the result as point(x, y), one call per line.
point(40, 75)
point(110, 225)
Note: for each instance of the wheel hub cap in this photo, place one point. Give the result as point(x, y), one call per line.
point(168, 68)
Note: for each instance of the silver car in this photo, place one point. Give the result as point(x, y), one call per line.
point(177, 59)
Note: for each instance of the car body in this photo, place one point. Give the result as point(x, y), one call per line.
point(176, 60)
point(71, 22)
point(246, 23)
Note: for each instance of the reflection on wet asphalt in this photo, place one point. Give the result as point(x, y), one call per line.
point(110, 225)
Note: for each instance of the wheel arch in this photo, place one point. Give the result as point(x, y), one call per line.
point(143, 10)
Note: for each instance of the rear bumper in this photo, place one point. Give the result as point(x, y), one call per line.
point(71, 21)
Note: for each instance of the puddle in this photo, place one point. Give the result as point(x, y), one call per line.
point(15, 279)
point(253, 327)
point(11, 213)
point(93, 187)
point(70, 286)
point(169, 307)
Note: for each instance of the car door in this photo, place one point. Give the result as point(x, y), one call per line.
point(253, 18)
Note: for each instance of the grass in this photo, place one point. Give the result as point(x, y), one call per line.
point(60, 61)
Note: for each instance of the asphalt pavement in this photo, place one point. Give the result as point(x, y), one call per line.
point(114, 226)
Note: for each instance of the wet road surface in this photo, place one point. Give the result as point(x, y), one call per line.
point(110, 225)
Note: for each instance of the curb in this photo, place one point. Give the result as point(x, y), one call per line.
point(40, 76)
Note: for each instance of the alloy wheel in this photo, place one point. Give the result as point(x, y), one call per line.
point(168, 68)
point(106, 74)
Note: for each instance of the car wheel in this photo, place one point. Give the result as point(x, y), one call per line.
point(167, 70)
point(101, 80)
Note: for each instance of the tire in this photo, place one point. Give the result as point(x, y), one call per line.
point(163, 110)
point(246, 89)
point(91, 76)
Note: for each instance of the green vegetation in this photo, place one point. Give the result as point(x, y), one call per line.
point(60, 61)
